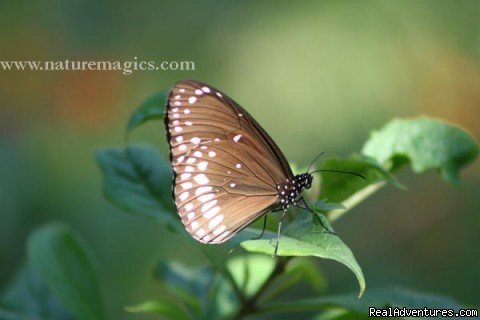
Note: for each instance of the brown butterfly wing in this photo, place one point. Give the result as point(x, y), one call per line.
point(226, 167)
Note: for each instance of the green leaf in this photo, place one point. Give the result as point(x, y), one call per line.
point(323, 206)
point(28, 297)
point(64, 263)
point(205, 293)
point(151, 109)
point(337, 187)
point(425, 143)
point(309, 272)
point(307, 239)
point(160, 307)
point(250, 271)
point(186, 283)
point(299, 270)
point(221, 301)
point(378, 298)
point(137, 180)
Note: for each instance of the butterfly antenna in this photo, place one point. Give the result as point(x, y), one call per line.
point(314, 160)
point(340, 171)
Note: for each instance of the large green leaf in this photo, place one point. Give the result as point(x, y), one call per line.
point(151, 109)
point(64, 263)
point(425, 143)
point(305, 238)
point(28, 297)
point(137, 180)
point(378, 298)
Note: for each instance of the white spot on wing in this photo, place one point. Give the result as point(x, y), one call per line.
point(206, 197)
point(188, 123)
point(184, 196)
point(237, 137)
point(186, 111)
point(219, 230)
point(198, 154)
point(177, 97)
point(179, 139)
point(182, 147)
point(189, 169)
point(201, 179)
point(180, 159)
point(202, 165)
point(191, 215)
point(201, 232)
point(186, 186)
point(208, 205)
point(238, 165)
point(212, 154)
point(182, 90)
point(195, 140)
point(203, 190)
point(212, 212)
point(185, 176)
point(178, 129)
point(189, 206)
point(192, 100)
point(215, 221)
point(232, 185)
point(195, 225)
point(177, 103)
point(218, 94)
point(198, 91)
point(191, 160)
point(206, 89)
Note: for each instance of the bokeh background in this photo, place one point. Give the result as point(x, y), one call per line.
point(318, 75)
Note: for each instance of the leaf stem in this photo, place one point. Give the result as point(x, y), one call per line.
point(250, 305)
point(355, 199)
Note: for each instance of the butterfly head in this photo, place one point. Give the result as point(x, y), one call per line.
point(304, 180)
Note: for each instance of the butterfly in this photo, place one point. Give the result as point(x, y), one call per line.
point(228, 172)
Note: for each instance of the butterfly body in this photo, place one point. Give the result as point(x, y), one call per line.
point(290, 191)
point(228, 172)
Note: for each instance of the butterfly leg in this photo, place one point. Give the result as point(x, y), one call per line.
point(279, 230)
point(263, 229)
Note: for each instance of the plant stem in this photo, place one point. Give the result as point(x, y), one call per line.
point(355, 199)
point(250, 305)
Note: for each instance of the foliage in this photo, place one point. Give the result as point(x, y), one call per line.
point(59, 279)
point(247, 283)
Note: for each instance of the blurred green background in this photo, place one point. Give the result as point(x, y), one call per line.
point(318, 75)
